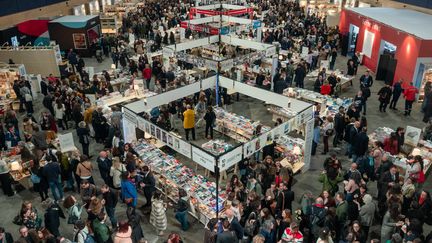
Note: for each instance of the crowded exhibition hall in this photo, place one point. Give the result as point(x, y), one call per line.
point(215, 121)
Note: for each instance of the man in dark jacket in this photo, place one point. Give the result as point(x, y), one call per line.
point(5, 237)
point(148, 184)
point(316, 215)
point(353, 132)
point(104, 165)
point(339, 126)
point(284, 199)
point(397, 91)
point(110, 200)
point(52, 172)
point(227, 236)
point(387, 180)
point(300, 74)
point(234, 225)
point(366, 82)
point(360, 144)
point(52, 217)
point(84, 137)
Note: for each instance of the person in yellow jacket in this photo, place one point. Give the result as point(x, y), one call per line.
point(189, 122)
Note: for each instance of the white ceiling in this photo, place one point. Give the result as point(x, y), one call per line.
point(412, 22)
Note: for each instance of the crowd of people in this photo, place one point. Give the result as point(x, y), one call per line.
point(260, 200)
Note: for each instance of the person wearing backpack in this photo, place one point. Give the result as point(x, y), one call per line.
point(52, 216)
point(82, 234)
point(317, 214)
point(101, 231)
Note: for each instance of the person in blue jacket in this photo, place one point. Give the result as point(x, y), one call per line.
point(129, 193)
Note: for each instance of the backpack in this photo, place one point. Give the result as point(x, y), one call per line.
point(317, 218)
point(87, 237)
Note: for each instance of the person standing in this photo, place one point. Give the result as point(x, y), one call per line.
point(339, 126)
point(148, 184)
point(366, 82)
point(52, 172)
point(60, 112)
point(189, 122)
point(158, 213)
point(84, 137)
point(129, 193)
point(328, 129)
point(5, 179)
point(384, 95)
point(333, 56)
point(300, 74)
point(52, 216)
point(104, 165)
point(210, 118)
point(147, 74)
point(27, 94)
point(100, 229)
point(360, 144)
point(410, 96)
point(397, 91)
point(85, 170)
point(182, 210)
point(110, 200)
point(316, 136)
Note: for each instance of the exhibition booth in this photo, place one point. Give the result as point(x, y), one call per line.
point(395, 43)
point(76, 32)
point(216, 156)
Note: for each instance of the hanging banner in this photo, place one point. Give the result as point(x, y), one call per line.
point(204, 159)
point(231, 158)
point(308, 144)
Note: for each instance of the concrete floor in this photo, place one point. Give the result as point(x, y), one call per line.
point(246, 107)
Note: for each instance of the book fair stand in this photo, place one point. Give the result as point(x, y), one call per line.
point(216, 156)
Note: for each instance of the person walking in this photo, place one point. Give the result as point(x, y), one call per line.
point(52, 172)
point(300, 74)
point(189, 122)
point(384, 95)
point(397, 91)
point(158, 213)
point(333, 56)
point(210, 118)
point(316, 136)
point(182, 210)
point(410, 96)
point(147, 74)
point(60, 112)
point(366, 82)
point(339, 126)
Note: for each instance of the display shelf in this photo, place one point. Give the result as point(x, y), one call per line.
point(171, 175)
point(283, 113)
point(237, 127)
point(217, 146)
point(292, 150)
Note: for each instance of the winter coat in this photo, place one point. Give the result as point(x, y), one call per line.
point(128, 190)
point(384, 94)
point(101, 231)
point(330, 185)
point(367, 213)
point(189, 119)
point(388, 227)
point(158, 216)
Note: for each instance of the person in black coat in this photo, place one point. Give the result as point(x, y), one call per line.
point(284, 199)
point(360, 143)
point(234, 225)
point(5, 237)
point(397, 91)
point(104, 165)
point(134, 221)
point(387, 180)
point(384, 95)
point(209, 118)
point(84, 137)
point(300, 74)
point(110, 198)
point(339, 126)
point(227, 236)
point(421, 206)
point(52, 217)
point(148, 184)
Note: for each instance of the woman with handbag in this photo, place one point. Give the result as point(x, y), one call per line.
point(39, 182)
point(74, 209)
point(116, 171)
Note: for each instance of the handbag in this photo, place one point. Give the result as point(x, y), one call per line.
point(28, 97)
point(35, 179)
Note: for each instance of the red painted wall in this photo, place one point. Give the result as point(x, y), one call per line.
point(408, 47)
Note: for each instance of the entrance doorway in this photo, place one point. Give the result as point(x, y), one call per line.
point(352, 39)
point(387, 63)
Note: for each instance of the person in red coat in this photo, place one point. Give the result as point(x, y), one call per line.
point(410, 96)
point(326, 88)
point(391, 144)
point(147, 74)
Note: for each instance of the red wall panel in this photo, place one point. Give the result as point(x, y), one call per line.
point(408, 46)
